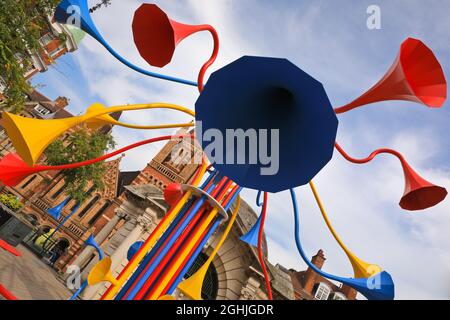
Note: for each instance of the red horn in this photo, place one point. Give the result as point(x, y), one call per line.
point(13, 169)
point(415, 75)
point(156, 35)
point(419, 193)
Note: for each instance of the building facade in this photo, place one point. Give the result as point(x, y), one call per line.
point(132, 205)
point(55, 41)
point(308, 285)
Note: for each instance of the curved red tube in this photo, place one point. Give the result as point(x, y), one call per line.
point(371, 156)
point(260, 253)
point(211, 60)
point(6, 294)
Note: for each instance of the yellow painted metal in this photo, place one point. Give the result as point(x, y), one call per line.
point(31, 136)
point(130, 268)
point(361, 268)
point(100, 121)
point(192, 287)
point(184, 253)
point(166, 297)
point(101, 272)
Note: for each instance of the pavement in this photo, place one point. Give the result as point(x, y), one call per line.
point(29, 278)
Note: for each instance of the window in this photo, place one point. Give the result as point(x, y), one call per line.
point(58, 192)
point(322, 292)
point(26, 184)
point(337, 296)
point(46, 39)
point(98, 214)
point(42, 110)
point(89, 206)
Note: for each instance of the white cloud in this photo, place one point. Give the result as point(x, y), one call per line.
point(331, 42)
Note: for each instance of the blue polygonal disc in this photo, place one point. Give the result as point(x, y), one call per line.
point(267, 93)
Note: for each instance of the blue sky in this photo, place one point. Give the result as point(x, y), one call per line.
point(329, 40)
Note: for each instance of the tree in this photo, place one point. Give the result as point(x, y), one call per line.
point(11, 201)
point(82, 145)
point(21, 26)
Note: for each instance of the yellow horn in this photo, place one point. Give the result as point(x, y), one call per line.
point(361, 269)
point(101, 272)
point(31, 136)
point(192, 287)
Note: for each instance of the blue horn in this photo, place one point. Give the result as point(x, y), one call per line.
point(55, 212)
point(77, 12)
point(91, 242)
point(251, 237)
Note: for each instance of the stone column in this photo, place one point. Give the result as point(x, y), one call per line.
point(99, 238)
point(119, 255)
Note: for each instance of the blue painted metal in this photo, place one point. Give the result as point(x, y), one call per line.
point(55, 212)
point(200, 247)
point(163, 238)
point(167, 247)
point(259, 93)
point(377, 287)
point(78, 10)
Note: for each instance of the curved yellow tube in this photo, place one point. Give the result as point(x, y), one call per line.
point(130, 268)
point(361, 269)
point(192, 287)
point(31, 136)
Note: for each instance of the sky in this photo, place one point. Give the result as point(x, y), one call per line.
point(329, 40)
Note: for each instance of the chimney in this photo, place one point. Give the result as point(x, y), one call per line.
point(349, 292)
point(61, 102)
point(310, 276)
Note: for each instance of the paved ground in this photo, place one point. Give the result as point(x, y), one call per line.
point(28, 278)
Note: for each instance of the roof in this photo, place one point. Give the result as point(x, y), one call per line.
point(125, 179)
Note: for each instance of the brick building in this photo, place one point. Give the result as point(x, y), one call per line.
point(56, 41)
point(308, 285)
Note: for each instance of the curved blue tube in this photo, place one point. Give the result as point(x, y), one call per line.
point(64, 13)
point(377, 287)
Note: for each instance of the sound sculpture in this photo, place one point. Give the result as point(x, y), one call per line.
point(251, 93)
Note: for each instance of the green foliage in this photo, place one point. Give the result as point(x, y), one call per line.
point(21, 25)
point(11, 201)
point(82, 146)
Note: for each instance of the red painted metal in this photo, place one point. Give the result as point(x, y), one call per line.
point(156, 37)
point(4, 245)
point(415, 75)
point(13, 169)
point(419, 194)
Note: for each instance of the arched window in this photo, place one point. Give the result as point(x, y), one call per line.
point(322, 292)
point(211, 283)
point(88, 206)
point(33, 219)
